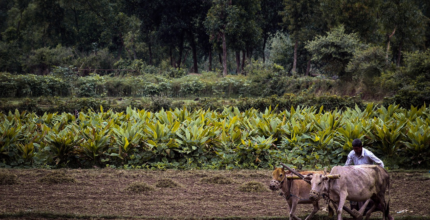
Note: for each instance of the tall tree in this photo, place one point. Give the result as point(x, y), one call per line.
point(409, 24)
point(222, 19)
point(302, 19)
point(270, 20)
point(358, 16)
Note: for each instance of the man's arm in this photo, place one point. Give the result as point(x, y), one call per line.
point(349, 161)
point(375, 159)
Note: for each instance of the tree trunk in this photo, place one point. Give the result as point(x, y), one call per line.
point(238, 62)
point(121, 46)
point(388, 46)
point(193, 47)
point(210, 59)
point(150, 52)
point(308, 67)
point(133, 48)
point(295, 57)
point(186, 56)
point(243, 59)
point(399, 57)
point(171, 57)
point(264, 48)
point(224, 55)
point(220, 58)
point(181, 49)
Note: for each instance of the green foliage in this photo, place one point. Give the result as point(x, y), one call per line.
point(335, 50)
point(32, 85)
point(42, 60)
point(367, 64)
point(228, 139)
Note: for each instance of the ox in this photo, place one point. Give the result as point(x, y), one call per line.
point(357, 183)
point(294, 191)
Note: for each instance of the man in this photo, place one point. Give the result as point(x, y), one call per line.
point(358, 156)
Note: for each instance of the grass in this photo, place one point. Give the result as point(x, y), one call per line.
point(217, 179)
point(166, 183)
point(252, 187)
point(139, 187)
point(7, 178)
point(57, 177)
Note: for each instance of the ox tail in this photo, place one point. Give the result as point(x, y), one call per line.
point(387, 201)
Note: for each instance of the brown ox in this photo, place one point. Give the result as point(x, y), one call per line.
point(295, 191)
point(356, 183)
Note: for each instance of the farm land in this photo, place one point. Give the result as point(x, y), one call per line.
point(175, 194)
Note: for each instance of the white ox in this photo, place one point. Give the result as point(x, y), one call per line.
point(356, 183)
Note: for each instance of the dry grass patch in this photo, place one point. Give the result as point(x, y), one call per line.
point(7, 178)
point(253, 186)
point(166, 183)
point(139, 187)
point(217, 179)
point(57, 177)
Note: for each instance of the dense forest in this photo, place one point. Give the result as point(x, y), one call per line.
point(379, 44)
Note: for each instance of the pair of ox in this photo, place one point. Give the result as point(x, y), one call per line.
point(357, 183)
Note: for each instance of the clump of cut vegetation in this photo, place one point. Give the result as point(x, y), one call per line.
point(252, 186)
point(217, 179)
point(139, 187)
point(57, 178)
point(166, 183)
point(7, 178)
point(259, 175)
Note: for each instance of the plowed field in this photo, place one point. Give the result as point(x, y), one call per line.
point(104, 193)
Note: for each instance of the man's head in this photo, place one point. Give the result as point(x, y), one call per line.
point(357, 146)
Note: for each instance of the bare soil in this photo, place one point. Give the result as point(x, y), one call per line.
point(104, 193)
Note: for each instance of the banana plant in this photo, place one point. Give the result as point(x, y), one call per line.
point(12, 134)
point(127, 137)
point(355, 129)
point(195, 139)
point(161, 139)
point(418, 140)
point(255, 150)
point(96, 140)
point(61, 142)
point(385, 114)
point(389, 135)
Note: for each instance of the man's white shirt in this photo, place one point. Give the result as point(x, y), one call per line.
point(366, 157)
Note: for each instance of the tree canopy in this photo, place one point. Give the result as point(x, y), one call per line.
point(188, 35)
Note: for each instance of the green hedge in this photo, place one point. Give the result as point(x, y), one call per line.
point(203, 139)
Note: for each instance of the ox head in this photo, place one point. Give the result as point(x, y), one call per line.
point(278, 177)
point(319, 185)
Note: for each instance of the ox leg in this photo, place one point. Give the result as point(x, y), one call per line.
point(293, 206)
point(342, 199)
point(371, 210)
point(316, 208)
point(363, 208)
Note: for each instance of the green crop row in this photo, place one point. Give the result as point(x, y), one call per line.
point(205, 139)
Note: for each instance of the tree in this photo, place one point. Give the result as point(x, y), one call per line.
point(222, 19)
point(359, 16)
point(302, 20)
point(335, 50)
point(408, 22)
point(270, 20)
